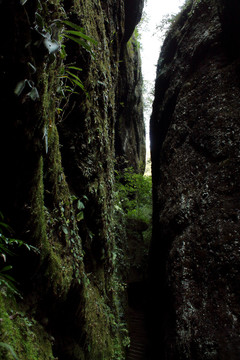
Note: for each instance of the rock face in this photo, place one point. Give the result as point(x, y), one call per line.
point(60, 92)
point(129, 128)
point(133, 13)
point(195, 138)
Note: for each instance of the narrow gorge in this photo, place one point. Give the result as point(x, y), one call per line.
point(98, 261)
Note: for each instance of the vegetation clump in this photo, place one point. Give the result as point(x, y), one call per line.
point(8, 246)
point(134, 194)
point(74, 279)
point(21, 335)
point(134, 198)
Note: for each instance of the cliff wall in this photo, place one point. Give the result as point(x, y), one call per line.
point(195, 138)
point(61, 69)
point(129, 127)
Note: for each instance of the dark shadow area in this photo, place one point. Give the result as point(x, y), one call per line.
point(137, 301)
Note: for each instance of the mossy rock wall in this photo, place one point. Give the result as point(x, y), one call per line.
point(57, 183)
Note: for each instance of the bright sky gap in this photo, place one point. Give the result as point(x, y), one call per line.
point(151, 42)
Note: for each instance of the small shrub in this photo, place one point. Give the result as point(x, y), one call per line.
point(7, 247)
point(134, 195)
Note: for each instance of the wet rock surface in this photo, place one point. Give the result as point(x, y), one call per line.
point(195, 138)
point(57, 141)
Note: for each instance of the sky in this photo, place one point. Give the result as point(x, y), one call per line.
point(151, 42)
point(150, 38)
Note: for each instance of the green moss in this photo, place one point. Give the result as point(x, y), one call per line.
point(37, 223)
point(54, 172)
point(52, 220)
point(103, 340)
point(59, 272)
point(26, 337)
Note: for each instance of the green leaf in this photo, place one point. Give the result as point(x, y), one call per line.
point(80, 216)
point(65, 230)
point(73, 197)
point(71, 90)
point(80, 205)
point(77, 40)
point(75, 80)
point(74, 26)
point(6, 226)
point(23, 2)
point(78, 84)
point(9, 285)
point(82, 43)
point(8, 347)
point(8, 277)
point(73, 75)
point(80, 34)
point(74, 68)
point(63, 53)
point(33, 94)
point(6, 268)
point(19, 87)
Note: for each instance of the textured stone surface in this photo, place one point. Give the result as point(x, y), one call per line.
point(57, 176)
point(195, 138)
point(133, 13)
point(130, 128)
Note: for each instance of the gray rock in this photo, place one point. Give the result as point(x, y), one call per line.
point(195, 138)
